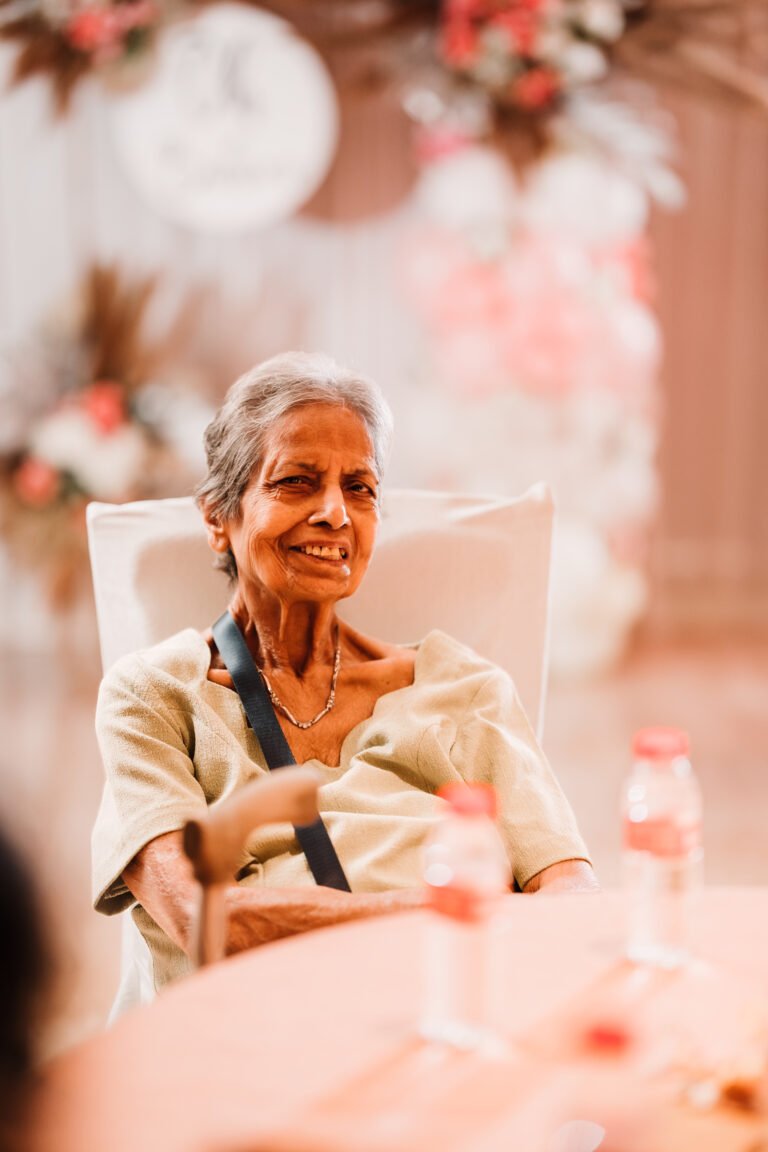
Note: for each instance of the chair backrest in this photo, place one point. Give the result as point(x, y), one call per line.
point(475, 567)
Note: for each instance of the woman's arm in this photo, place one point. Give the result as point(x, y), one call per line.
point(496, 744)
point(160, 877)
point(566, 876)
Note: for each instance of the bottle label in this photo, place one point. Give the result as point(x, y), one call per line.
point(464, 904)
point(662, 836)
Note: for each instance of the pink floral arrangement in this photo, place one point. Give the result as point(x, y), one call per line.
point(87, 417)
point(90, 443)
point(530, 53)
point(66, 42)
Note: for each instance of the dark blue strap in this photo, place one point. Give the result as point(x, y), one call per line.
point(315, 842)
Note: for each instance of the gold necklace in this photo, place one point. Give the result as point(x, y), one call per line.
point(328, 704)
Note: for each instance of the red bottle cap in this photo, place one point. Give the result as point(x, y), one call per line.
point(470, 799)
point(660, 743)
point(607, 1037)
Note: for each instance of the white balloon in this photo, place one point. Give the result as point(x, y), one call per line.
point(581, 198)
point(472, 187)
point(595, 601)
point(637, 329)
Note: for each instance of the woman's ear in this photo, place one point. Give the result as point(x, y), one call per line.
point(218, 536)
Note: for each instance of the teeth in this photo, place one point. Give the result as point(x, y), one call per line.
point(324, 552)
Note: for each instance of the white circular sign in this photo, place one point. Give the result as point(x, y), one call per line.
point(236, 126)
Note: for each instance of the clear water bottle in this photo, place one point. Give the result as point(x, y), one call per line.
point(662, 847)
point(466, 872)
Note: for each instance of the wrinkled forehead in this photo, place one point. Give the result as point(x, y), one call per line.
point(320, 435)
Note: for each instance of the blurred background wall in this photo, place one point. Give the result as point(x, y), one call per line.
point(710, 560)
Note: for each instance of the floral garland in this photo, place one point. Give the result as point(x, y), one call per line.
point(529, 59)
point(68, 43)
point(84, 418)
point(529, 54)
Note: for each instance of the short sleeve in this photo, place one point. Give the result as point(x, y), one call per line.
point(495, 744)
point(150, 784)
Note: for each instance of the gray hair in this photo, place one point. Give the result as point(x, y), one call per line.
point(236, 437)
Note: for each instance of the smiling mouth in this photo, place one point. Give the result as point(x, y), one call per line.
point(322, 551)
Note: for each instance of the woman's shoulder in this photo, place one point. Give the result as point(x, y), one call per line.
point(440, 656)
point(183, 659)
point(438, 646)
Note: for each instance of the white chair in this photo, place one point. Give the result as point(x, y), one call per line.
point(475, 567)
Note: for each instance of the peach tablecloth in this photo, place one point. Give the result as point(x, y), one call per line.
point(310, 1044)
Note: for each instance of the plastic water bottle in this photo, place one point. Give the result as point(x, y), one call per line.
point(466, 872)
point(662, 847)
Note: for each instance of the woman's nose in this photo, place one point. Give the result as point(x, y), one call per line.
point(331, 509)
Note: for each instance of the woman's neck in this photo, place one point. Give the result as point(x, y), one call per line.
point(282, 635)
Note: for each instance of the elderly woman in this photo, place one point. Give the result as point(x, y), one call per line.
point(291, 504)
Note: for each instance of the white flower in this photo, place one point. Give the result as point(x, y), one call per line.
point(105, 466)
point(552, 39)
point(62, 438)
point(423, 105)
point(602, 19)
point(495, 66)
point(582, 63)
point(640, 140)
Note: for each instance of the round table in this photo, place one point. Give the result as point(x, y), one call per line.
point(311, 1044)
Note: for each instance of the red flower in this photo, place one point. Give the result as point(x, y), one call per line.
point(459, 43)
point(521, 26)
point(607, 1036)
point(535, 89)
point(36, 482)
point(92, 29)
point(105, 404)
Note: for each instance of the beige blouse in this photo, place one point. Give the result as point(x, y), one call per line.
point(173, 742)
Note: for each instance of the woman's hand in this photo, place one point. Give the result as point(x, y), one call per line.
point(160, 877)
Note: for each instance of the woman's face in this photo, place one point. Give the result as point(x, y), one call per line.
point(308, 518)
